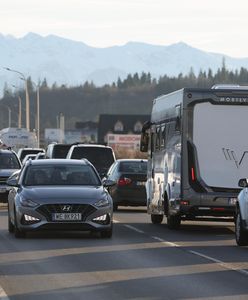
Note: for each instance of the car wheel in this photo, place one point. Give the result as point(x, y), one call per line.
point(11, 227)
point(107, 233)
point(173, 221)
point(241, 235)
point(156, 219)
point(18, 233)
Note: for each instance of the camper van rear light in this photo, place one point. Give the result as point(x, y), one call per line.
point(183, 202)
point(192, 174)
point(124, 181)
point(218, 208)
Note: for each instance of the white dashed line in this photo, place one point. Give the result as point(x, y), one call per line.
point(164, 241)
point(227, 266)
point(134, 228)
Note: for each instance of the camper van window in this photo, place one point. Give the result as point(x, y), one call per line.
point(157, 139)
point(162, 137)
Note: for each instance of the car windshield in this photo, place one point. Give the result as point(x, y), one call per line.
point(133, 167)
point(60, 175)
point(9, 161)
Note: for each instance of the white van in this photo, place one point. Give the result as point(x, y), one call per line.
point(197, 152)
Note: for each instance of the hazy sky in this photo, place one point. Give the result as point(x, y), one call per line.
point(212, 25)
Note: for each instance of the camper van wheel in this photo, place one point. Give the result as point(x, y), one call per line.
point(173, 221)
point(157, 219)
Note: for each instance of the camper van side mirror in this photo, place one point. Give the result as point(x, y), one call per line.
point(178, 124)
point(144, 140)
point(243, 182)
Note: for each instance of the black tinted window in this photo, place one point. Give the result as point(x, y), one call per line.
point(133, 167)
point(99, 157)
point(26, 152)
point(60, 151)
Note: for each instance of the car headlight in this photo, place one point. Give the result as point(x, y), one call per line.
point(102, 202)
point(28, 203)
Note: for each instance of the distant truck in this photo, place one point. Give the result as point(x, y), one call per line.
point(197, 152)
point(17, 138)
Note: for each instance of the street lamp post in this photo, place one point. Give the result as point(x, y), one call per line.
point(38, 112)
point(9, 110)
point(19, 110)
point(27, 96)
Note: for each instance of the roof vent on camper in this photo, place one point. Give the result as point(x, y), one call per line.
point(229, 86)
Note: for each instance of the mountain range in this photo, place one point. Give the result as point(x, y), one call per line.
point(72, 63)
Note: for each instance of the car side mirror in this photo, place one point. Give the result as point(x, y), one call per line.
point(243, 182)
point(108, 183)
point(12, 182)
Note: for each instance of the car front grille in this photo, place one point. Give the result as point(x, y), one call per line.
point(3, 179)
point(49, 209)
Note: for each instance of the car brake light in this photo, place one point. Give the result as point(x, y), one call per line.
point(192, 174)
point(124, 181)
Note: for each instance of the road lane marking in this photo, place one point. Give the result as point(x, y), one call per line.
point(134, 228)
point(165, 242)
point(3, 295)
point(227, 266)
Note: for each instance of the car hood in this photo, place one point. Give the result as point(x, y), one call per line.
point(64, 194)
point(7, 172)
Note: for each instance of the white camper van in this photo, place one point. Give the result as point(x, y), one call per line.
point(197, 151)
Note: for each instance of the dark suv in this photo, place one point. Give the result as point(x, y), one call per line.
point(55, 150)
point(100, 156)
point(9, 163)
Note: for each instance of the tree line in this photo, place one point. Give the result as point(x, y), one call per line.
point(131, 95)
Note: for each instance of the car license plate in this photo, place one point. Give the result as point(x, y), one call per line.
point(141, 183)
point(67, 217)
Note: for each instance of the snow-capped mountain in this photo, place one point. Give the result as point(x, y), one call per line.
point(72, 63)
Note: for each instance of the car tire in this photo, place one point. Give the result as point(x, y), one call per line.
point(17, 232)
point(241, 235)
point(11, 227)
point(156, 219)
point(173, 221)
point(107, 233)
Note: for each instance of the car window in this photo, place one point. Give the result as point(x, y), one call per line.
point(26, 152)
point(60, 151)
point(99, 157)
point(133, 167)
point(60, 175)
point(9, 161)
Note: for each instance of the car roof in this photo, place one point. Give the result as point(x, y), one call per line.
point(91, 145)
point(6, 151)
point(131, 160)
point(60, 161)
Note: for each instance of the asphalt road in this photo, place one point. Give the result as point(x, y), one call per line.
point(141, 261)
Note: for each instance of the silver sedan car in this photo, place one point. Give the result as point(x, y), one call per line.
point(59, 194)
